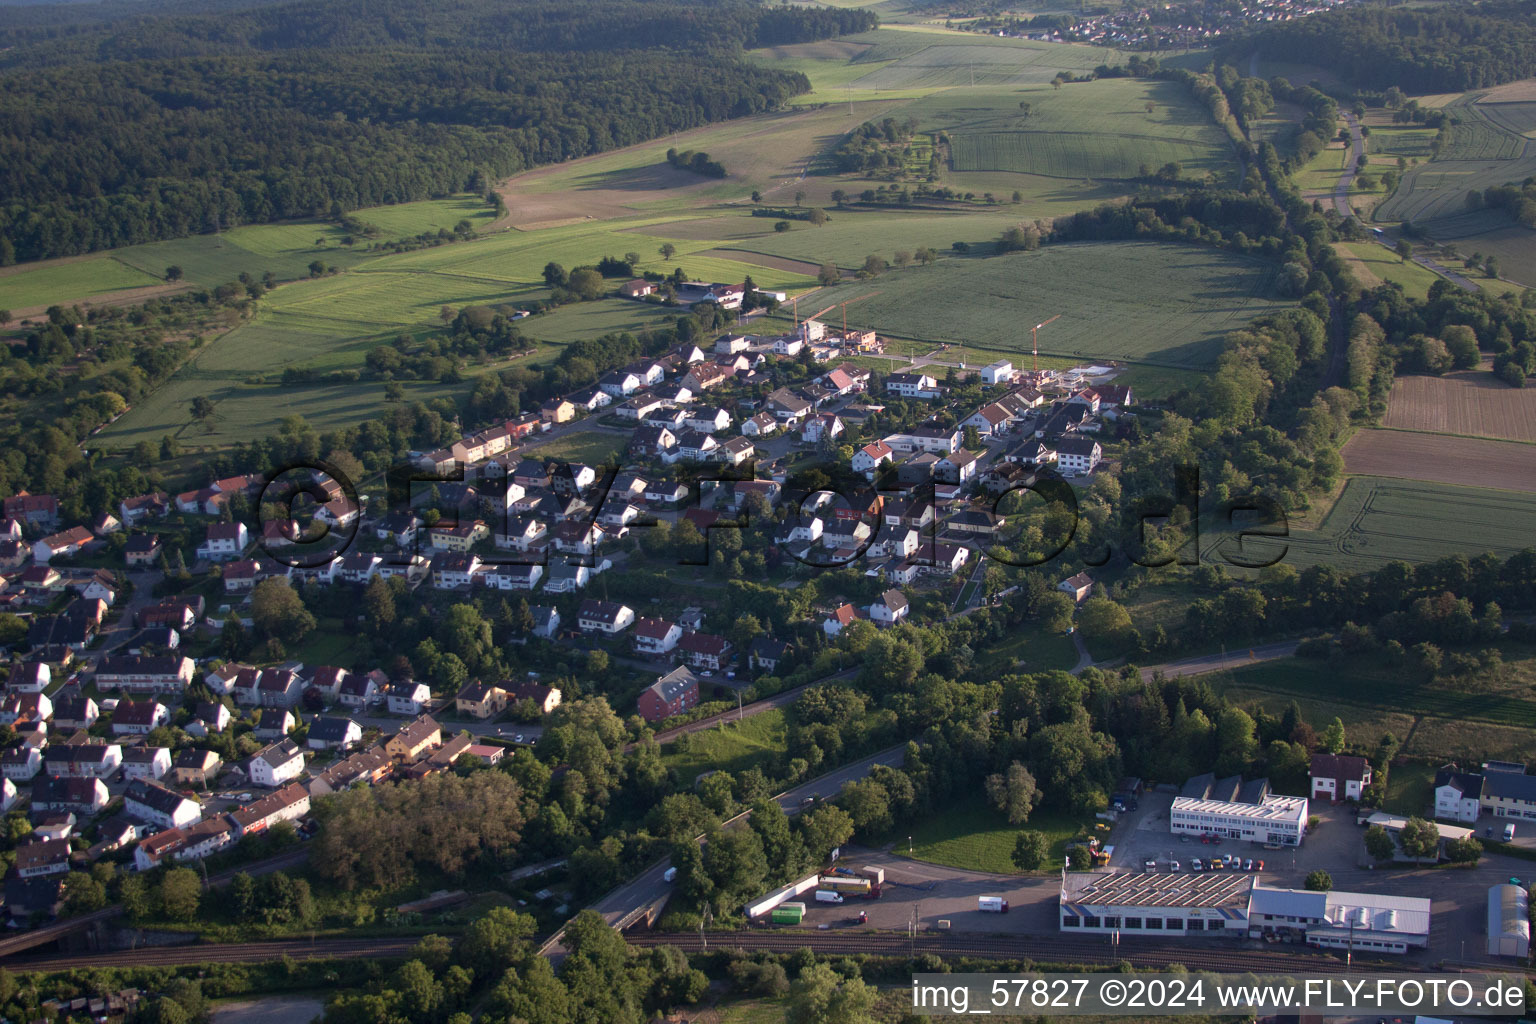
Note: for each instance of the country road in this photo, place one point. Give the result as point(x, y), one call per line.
point(1237, 658)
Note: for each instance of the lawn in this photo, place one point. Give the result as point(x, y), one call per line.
point(1377, 520)
point(1170, 307)
point(731, 746)
point(589, 447)
point(1410, 789)
point(62, 281)
point(1031, 651)
point(971, 835)
point(1377, 260)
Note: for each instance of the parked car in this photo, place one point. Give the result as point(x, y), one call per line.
point(1174, 865)
point(1248, 864)
point(1195, 865)
point(1258, 865)
point(1150, 865)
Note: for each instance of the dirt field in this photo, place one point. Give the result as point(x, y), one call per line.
point(1471, 462)
point(1472, 403)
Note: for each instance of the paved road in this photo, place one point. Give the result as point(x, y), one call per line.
point(1351, 166)
point(1236, 658)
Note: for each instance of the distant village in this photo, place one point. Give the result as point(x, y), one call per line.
point(1166, 27)
point(92, 784)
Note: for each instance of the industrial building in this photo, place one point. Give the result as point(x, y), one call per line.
point(1233, 809)
point(1155, 903)
point(1362, 922)
point(1509, 921)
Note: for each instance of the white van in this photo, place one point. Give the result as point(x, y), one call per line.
point(669, 875)
point(827, 896)
point(1509, 832)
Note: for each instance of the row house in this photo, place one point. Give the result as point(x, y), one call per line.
point(288, 804)
point(163, 673)
point(149, 764)
point(153, 803)
point(414, 740)
point(21, 763)
point(364, 768)
point(82, 760)
point(452, 571)
point(77, 795)
point(524, 577)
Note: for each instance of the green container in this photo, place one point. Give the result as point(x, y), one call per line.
point(787, 915)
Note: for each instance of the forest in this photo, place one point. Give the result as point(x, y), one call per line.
point(266, 115)
point(1449, 48)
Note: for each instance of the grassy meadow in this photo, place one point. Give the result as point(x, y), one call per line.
point(971, 835)
point(733, 746)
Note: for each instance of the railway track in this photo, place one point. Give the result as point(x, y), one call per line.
point(1055, 949)
point(210, 952)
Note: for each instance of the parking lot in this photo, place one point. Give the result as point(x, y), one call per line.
point(932, 893)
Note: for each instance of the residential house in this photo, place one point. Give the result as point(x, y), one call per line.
point(414, 739)
point(36, 510)
point(276, 764)
point(274, 724)
point(364, 768)
point(823, 426)
point(545, 698)
point(146, 763)
point(82, 796)
point(407, 698)
point(890, 609)
point(452, 571)
point(153, 803)
point(288, 804)
point(518, 576)
point(1458, 794)
point(705, 651)
point(480, 700)
point(839, 619)
point(606, 617)
point(733, 451)
point(138, 718)
point(655, 637)
point(141, 507)
point(566, 577)
point(1339, 777)
point(208, 718)
point(619, 383)
point(976, 522)
point(224, 542)
point(870, 458)
point(196, 767)
point(1000, 372)
point(29, 677)
point(1077, 456)
point(1507, 791)
point(74, 712)
point(546, 620)
point(913, 385)
point(25, 707)
point(786, 406)
point(759, 425)
point(766, 654)
point(42, 858)
point(333, 732)
point(356, 691)
point(67, 542)
point(639, 407)
point(956, 468)
point(672, 694)
point(703, 376)
point(276, 688)
point(356, 567)
point(21, 763)
point(459, 537)
point(1077, 587)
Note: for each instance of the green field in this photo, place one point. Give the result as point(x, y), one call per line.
point(1170, 304)
point(65, 281)
point(330, 323)
point(851, 235)
point(1377, 520)
point(971, 835)
point(1482, 151)
point(285, 249)
point(735, 747)
point(1099, 129)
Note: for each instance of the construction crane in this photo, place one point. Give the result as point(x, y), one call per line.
point(1034, 342)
